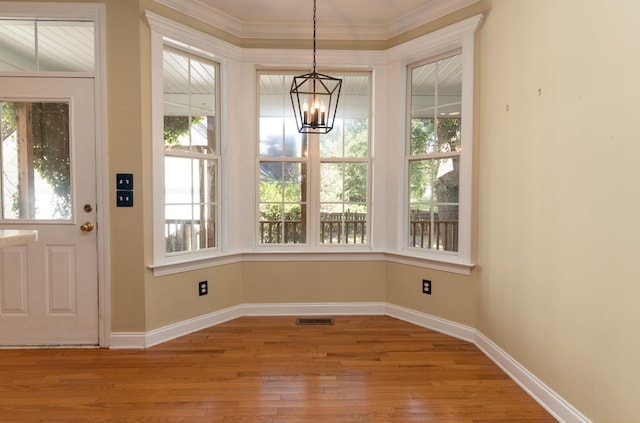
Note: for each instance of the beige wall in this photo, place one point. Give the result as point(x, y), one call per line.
point(174, 298)
point(126, 152)
point(454, 297)
point(313, 282)
point(557, 227)
point(559, 200)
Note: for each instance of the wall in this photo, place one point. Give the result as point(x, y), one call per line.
point(454, 297)
point(555, 286)
point(172, 299)
point(126, 152)
point(313, 282)
point(558, 200)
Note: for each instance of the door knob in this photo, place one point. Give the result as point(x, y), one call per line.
point(86, 227)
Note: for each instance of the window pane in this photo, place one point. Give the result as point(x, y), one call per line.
point(449, 135)
point(445, 225)
point(279, 135)
point(420, 180)
point(202, 101)
point(341, 224)
point(47, 46)
point(423, 89)
point(36, 180)
point(420, 226)
point(190, 189)
point(343, 208)
point(331, 182)
point(446, 187)
point(282, 202)
point(293, 182)
point(179, 228)
point(65, 46)
point(449, 76)
point(355, 182)
point(343, 182)
point(206, 237)
point(282, 182)
point(356, 138)
point(178, 184)
point(423, 136)
point(17, 45)
point(332, 143)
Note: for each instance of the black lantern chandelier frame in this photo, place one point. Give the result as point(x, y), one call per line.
point(315, 96)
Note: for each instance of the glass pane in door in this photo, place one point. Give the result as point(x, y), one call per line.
point(35, 180)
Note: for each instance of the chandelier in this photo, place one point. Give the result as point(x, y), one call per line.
point(314, 97)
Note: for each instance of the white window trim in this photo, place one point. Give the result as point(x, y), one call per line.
point(457, 37)
point(199, 44)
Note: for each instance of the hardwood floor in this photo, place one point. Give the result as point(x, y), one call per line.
point(369, 369)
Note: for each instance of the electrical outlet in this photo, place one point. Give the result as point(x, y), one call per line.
point(426, 286)
point(203, 288)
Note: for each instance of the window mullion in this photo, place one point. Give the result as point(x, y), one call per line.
point(313, 185)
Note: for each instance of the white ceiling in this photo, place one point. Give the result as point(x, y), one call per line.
point(336, 19)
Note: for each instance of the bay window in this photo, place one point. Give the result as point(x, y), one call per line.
point(313, 189)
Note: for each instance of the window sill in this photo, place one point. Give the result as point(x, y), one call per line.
point(194, 263)
point(446, 264)
point(452, 264)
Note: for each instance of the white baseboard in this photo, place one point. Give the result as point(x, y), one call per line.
point(128, 340)
point(546, 397)
point(141, 340)
point(466, 333)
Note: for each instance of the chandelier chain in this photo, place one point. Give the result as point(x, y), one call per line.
point(314, 36)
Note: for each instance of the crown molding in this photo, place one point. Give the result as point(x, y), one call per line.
point(208, 14)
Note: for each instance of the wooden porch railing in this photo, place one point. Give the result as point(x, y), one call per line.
point(271, 232)
point(187, 235)
point(334, 229)
point(443, 235)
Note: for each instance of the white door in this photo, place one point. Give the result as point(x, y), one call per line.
point(49, 289)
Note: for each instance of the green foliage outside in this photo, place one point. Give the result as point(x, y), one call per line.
point(50, 126)
point(272, 193)
point(51, 152)
point(427, 139)
point(176, 127)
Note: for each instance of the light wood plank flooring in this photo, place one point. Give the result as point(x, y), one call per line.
point(369, 369)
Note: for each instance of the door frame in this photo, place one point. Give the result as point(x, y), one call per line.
point(95, 12)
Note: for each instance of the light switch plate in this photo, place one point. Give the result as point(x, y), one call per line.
point(124, 198)
point(124, 181)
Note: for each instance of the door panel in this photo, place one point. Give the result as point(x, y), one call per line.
point(49, 289)
point(13, 282)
